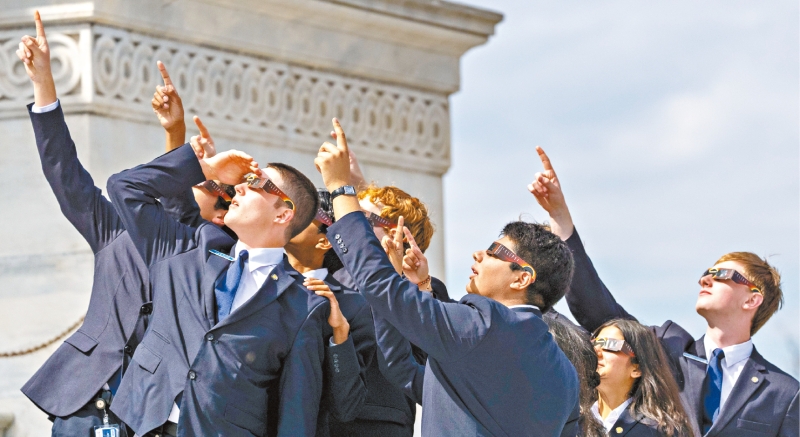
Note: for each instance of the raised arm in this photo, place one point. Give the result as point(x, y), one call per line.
point(445, 331)
point(168, 107)
point(396, 360)
point(134, 193)
point(81, 202)
point(590, 302)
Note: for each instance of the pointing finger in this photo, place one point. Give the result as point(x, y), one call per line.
point(545, 160)
point(203, 131)
point(39, 26)
point(341, 141)
point(164, 75)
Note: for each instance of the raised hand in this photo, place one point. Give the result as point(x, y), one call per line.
point(202, 144)
point(341, 328)
point(415, 264)
point(356, 175)
point(167, 103)
point(393, 245)
point(228, 167)
point(333, 161)
point(546, 188)
point(35, 56)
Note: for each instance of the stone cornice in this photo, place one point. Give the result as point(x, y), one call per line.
point(417, 43)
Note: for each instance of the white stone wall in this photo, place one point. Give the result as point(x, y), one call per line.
point(266, 77)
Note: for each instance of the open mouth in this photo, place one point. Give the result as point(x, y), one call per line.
point(474, 273)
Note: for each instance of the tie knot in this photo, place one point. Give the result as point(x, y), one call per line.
point(243, 256)
point(718, 353)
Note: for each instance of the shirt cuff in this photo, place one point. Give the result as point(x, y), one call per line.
point(331, 343)
point(47, 108)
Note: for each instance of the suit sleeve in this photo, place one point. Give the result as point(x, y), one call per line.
point(346, 365)
point(397, 362)
point(134, 192)
point(588, 298)
point(791, 424)
point(445, 331)
point(301, 379)
point(183, 208)
point(81, 202)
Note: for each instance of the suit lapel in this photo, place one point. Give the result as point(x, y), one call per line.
point(216, 266)
point(746, 385)
point(695, 375)
point(265, 295)
point(624, 424)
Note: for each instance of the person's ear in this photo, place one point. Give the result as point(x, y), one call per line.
point(323, 243)
point(284, 216)
point(522, 280)
point(753, 301)
point(636, 372)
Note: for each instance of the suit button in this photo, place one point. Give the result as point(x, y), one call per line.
point(336, 357)
point(146, 309)
point(344, 250)
point(192, 375)
point(210, 337)
point(128, 349)
point(337, 237)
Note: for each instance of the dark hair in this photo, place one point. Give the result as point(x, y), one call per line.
point(222, 203)
point(579, 351)
point(548, 255)
point(654, 394)
point(302, 192)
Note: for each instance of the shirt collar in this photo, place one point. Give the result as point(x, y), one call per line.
point(733, 354)
point(613, 416)
point(320, 274)
point(262, 257)
point(523, 306)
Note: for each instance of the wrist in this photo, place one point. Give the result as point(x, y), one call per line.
point(340, 334)
point(425, 283)
point(208, 170)
point(336, 184)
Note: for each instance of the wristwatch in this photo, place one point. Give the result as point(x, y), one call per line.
point(347, 190)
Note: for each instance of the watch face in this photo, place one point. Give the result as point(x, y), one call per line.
point(349, 190)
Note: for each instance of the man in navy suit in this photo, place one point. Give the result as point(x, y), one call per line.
point(90, 363)
point(235, 344)
point(493, 368)
point(728, 388)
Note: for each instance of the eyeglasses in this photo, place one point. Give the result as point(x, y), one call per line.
point(732, 275)
point(613, 345)
point(503, 253)
point(323, 217)
point(255, 181)
point(214, 188)
point(377, 221)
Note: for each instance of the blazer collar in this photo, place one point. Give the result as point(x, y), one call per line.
point(625, 423)
point(747, 384)
point(278, 281)
point(526, 309)
point(333, 284)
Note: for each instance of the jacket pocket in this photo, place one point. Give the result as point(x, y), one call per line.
point(147, 359)
point(82, 342)
point(753, 426)
point(245, 420)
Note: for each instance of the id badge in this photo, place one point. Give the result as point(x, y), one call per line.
point(106, 431)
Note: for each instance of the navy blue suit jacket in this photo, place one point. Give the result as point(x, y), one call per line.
point(491, 370)
point(259, 370)
point(764, 399)
point(120, 298)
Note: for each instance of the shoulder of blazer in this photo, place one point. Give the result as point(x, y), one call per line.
point(782, 379)
point(210, 235)
point(674, 338)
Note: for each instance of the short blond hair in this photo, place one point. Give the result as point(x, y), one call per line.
point(766, 278)
point(396, 203)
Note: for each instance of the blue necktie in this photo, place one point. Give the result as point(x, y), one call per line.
point(226, 291)
point(713, 389)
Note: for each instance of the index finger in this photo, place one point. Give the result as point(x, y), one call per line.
point(341, 141)
point(545, 160)
point(410, 238)
point(398, 234)
point(39, 26)
point(164, 75)
point(203, 131)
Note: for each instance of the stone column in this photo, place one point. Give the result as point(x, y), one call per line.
point(265, 76)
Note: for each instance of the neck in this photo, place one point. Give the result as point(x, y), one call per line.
point(260, 241)
point(610, 398)
point(727, 334)
point(511, 301)
point(304, 261)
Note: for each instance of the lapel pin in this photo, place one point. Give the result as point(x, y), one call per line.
point(274, 277)
point(618, 430)
point(754, 379)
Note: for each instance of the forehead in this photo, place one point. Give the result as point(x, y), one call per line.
point(611, 332)
point(730, 265)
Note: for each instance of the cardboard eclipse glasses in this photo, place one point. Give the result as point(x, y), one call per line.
point(255, 181)
point(503, 253)
point(732, 275)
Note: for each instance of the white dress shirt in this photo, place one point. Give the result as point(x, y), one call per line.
point(42, 109)
point(735, 358)
point(613, 416)
point(320, 274)
point(257, 268)
point(523, 306)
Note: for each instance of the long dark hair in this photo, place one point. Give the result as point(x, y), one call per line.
point(654, 394)
point(579, 351)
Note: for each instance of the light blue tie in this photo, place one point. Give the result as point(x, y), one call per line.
point(713, 389)
point(225, 290)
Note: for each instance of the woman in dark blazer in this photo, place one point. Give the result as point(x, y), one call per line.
point(637, 395)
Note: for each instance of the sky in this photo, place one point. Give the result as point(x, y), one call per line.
point(673, 127)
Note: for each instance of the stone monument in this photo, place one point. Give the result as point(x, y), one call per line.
point(265, 76)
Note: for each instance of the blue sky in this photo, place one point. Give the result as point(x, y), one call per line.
point(673, 127)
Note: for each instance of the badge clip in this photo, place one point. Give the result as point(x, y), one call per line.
point(222, 255)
